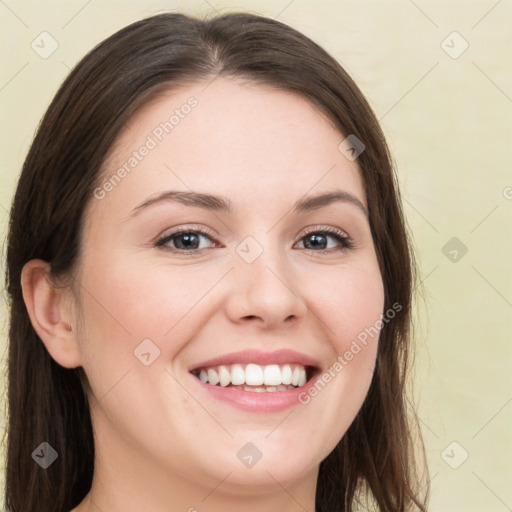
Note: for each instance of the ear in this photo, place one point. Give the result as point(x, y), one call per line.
point(51, 314)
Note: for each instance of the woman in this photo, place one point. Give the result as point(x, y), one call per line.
point(210, 282)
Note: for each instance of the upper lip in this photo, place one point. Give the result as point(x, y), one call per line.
point(258, 357)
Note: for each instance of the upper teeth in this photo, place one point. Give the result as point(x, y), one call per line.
point(254, 375)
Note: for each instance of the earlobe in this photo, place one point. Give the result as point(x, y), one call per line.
point(50, 315)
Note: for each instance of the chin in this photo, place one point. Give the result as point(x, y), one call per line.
point(261, 462)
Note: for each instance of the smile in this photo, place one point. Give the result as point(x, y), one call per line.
point(254, 377)
point(257, 381)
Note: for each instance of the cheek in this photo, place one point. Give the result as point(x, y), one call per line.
point(351, 310)
point(130, 311)
point(350, 302)
point(125, 304)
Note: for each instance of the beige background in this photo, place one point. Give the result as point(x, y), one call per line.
point(448, 122)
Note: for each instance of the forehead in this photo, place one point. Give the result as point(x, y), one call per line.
point(240, 139)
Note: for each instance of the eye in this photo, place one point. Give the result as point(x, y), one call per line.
point(317, 240)
point(320, 240)
point(185, 240)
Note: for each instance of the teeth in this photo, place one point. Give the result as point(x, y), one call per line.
point(237, 375)
point(213, 376)
point(254, 377)
point(286, 374)
point(272, 375)
point(295, 377)
point(224, 376)
point(264, 389)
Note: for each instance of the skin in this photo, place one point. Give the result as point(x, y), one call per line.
point(161, 442)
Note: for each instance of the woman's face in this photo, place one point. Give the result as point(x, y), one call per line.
point(275, 287)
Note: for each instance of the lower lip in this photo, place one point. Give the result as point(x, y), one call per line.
point(268, 401)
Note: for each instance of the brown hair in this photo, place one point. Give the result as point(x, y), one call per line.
point(46, 401)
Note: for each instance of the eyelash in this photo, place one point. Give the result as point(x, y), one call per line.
point(345, 241)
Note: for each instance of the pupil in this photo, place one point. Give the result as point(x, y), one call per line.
point(188, 239)
point(316, 240)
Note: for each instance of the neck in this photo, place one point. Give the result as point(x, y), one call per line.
point(114, 493)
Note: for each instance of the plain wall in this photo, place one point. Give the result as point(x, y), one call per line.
point(447, 114)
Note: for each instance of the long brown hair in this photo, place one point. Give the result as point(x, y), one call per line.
point(46, 402)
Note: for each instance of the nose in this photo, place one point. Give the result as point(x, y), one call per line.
point(264, 293)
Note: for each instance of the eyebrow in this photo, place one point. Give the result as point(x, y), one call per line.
point(223, 204)
point(325, 199)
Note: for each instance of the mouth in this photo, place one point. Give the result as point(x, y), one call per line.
point(256, 378)
point(255, 381)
